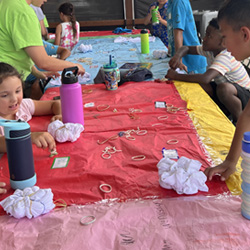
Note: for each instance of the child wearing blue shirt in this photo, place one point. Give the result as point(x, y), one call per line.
point(160, 29)
point(182, 31)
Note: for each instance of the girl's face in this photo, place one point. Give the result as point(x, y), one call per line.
point(162, 2)
point(11, 95)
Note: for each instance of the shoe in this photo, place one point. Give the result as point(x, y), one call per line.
point(43, 83)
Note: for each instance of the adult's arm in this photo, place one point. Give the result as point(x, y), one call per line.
point(48, 63)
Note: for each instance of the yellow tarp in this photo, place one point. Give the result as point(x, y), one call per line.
point(213, 127)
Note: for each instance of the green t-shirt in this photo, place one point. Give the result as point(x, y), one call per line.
point(20, 28)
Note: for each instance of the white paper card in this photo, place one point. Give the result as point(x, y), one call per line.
point(60, 162)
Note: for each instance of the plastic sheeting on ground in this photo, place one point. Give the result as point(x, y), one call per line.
point(79, 182)
point(183, 223)
point(126, 52)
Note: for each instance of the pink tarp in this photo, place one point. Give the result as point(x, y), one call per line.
point(79, 182)
point(183, 223)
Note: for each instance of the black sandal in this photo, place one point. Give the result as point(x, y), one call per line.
point(43, 83)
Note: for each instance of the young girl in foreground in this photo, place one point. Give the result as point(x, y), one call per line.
point(67, 33)
point(14, 107)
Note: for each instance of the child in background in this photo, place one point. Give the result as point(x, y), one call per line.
point(160, 29)
point(234, 22)
point(41, 17)
point(67, 33)
point(230, 88)
point(182, 32)
point(14, 107)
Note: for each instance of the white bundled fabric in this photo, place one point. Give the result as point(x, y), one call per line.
point(81, 79)
point(85, 48)
point(183, 176)
point(121, 39)
point(30, 202)
point(65, 132)
point(160, 54)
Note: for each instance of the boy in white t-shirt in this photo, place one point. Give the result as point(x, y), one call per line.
point(225, 80)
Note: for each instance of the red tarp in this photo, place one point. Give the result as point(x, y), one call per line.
point(79, 182)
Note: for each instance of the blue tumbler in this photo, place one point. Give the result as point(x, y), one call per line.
point(19, 153)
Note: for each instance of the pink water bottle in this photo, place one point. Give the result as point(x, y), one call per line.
point(71, 97)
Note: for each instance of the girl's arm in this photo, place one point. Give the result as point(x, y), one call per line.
point(52, 107)
point(3, 148)
point(58, 34)
point(148, 17)
point(161, 20)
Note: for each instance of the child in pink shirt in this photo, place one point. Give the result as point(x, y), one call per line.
point(14, 107)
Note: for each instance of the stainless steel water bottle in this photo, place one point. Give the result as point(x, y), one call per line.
point(19, 153)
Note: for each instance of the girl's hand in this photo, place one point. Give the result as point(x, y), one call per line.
point(159, 17)
point(2, 190)
point(56, 117)
point(43, 140)
point(152, 8)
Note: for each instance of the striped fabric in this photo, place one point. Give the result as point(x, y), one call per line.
point(229, 68)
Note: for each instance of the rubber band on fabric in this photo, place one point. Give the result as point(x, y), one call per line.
point(138, 158)
point(132, 110)
point(105, 185)
point(92, 217)
point(172, 141)
point(163, 117)
point(108, 151)
point(106, 106)
point(157, 124)
point(87, 91)
point(112, 138)
point(169, 105)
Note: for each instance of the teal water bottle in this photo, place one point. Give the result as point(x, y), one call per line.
point(155, 19)
point(144, 42)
